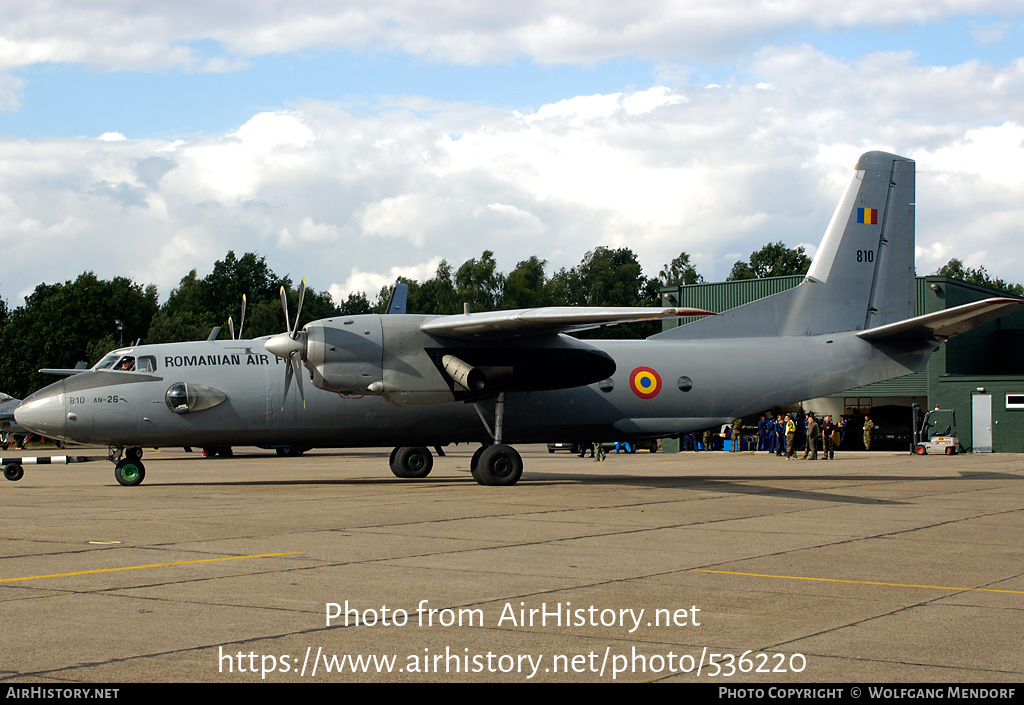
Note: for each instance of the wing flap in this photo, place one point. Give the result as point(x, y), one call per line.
point(942, 325)
point(546, 321)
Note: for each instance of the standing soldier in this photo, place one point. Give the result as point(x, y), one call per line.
point(790, 435)
point(828, 430)
point(813, 431)
point(868, 428)
point(737, 434)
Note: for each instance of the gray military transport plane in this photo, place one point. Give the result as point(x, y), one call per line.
point(415, 381)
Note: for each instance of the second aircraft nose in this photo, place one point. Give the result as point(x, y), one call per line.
point(43, 411)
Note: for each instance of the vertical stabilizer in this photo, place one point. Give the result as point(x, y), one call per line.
point(862, 275)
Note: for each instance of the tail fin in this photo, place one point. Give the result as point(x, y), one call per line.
point(862, 275)
point(399, 298)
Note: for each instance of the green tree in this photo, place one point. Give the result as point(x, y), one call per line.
point(437, 295)
point(525, 286)
point(479, 283)
point(197, 305)
point(772, 260)
point(61, 324)
point(955, 269)
point(679, 271)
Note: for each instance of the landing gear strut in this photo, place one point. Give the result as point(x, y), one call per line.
point(498, 464)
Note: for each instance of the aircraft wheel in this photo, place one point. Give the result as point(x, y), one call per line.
point(134, 453)
point(921, 450)
point(129, 472)
point(412, 463)
point(499, 465)
point(14, 472)
point(474, 464)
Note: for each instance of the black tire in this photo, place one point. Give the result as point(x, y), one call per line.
point(134, 453)
point(412, 463)
point(474, 463)
point(500, 465)
point(129, 472)
point(14, 472)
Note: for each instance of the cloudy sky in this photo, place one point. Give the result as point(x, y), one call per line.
point(351, 142)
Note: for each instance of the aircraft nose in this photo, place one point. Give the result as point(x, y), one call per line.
point(43, 412)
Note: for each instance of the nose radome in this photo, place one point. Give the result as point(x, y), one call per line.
point(43, 411)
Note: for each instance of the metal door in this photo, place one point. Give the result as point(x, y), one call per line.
point(981, 422)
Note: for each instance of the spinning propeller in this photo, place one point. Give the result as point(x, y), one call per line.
point(291, 346)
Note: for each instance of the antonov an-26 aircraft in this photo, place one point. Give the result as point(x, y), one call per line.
point(494, 378)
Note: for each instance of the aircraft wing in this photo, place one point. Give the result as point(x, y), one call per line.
point(942, 325)
point(546, 321)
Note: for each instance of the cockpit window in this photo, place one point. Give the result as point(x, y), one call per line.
point(125, 364)
point(146, 363)
point(107, 362)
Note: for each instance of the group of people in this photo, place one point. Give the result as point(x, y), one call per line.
point(783, 434)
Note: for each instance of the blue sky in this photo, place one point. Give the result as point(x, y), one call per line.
point(354, 143)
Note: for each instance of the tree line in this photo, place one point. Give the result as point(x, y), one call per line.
point(81, 320)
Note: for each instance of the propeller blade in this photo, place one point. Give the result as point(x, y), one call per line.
point(241, 322)
point(298, 379)
point(302, 295)
point(284, 304)
point(231, 327)
point(287, 383)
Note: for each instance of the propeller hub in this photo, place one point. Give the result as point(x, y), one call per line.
point(286, 347)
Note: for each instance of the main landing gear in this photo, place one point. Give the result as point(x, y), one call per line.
point(497, 464)
point(129, 470)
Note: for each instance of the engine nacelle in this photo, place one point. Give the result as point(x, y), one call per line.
point(390, 356)
point(346, 354)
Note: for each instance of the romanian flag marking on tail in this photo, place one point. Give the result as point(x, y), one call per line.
point(868, 216)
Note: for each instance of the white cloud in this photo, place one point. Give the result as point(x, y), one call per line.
point(160, 34)
point(322, 189)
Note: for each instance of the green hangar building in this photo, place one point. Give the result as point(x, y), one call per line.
point(979, 374)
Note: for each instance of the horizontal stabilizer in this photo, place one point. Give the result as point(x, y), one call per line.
point(941, 325)
point(546, 321)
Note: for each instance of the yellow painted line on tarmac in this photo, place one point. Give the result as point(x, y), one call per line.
point(141, 567)
point(857, 582)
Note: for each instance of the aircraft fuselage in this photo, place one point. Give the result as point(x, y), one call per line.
point(659, 388)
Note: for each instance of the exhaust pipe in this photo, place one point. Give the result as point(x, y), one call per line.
point(464, 374)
